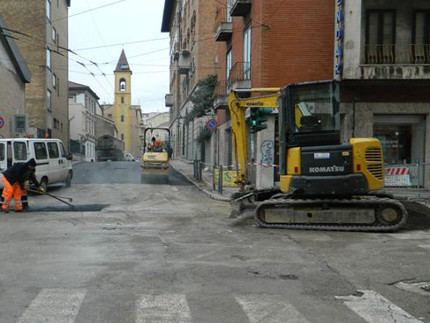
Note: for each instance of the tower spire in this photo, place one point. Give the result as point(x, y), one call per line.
point(122, 63)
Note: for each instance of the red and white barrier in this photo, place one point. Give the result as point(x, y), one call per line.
point(263, 165)
point(397, 176)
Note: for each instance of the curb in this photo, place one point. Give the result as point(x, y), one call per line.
point(212, 195)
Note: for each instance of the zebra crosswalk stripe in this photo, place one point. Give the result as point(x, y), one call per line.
point(54, 306)
point(373, 307)
point(163, 308)
point(269, 309)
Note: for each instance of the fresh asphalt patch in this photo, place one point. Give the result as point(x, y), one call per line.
point(67, 208)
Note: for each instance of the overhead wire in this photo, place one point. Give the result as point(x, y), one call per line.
point(82, 12)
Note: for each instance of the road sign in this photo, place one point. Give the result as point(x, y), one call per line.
point(1, 122)
point(211, 124)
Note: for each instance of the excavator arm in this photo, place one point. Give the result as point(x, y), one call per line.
point(238, 107)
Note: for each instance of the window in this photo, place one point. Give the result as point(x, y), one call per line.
point(40, 150)
point(48, 58)
point(53, 150)
point(122, 136)
point(54, 35)
point(20, 151)
point(228, 63)
point(229, 6)
point(122, 99)
point(380, 37)
point(122, 118)
point(2, 152)
point(421, 38)
point(247, 53)
point(63, 150)
point(122, 85)
point(54, 81)
point(49, 99)
point(48, 9)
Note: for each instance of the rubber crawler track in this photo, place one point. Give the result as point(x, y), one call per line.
point(362, 201)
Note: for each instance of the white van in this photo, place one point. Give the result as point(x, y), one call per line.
point(53, 163)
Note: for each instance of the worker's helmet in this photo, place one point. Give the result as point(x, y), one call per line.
point(157, 143)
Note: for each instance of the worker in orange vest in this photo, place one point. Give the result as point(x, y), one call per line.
point(15, 179)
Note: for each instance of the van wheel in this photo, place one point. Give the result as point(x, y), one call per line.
point(68, 180)
point(44, 183)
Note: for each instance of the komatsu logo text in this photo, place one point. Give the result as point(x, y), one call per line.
point(328, 169)
point(254, 104)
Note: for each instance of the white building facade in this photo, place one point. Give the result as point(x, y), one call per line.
point(83, 104)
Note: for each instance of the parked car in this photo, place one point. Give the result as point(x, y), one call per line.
point(54, 164)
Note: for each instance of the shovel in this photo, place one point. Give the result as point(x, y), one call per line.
point(53, 196)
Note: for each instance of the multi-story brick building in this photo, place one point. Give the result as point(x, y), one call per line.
point(268, 44)
point(193, 58)
point(42, 31)
point(378, 50)
point(14, 74)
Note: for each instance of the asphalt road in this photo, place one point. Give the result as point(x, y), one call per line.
point(168, 253)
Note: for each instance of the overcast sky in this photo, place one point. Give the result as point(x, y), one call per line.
point(100, 29)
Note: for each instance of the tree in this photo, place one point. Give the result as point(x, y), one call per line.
point(202, 98)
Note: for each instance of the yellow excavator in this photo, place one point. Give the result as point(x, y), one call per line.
point(324, 184)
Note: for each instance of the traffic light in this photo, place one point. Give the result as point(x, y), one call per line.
point(258, 117)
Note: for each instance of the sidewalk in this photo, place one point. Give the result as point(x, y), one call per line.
point(417, 200)
point(186, 168)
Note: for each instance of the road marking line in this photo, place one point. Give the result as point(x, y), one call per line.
point(54, 306)
point(269, 309)
point(163, 309)
point(373, 307)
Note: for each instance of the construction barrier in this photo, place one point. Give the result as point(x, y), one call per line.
point(397, 176)
point(229, 177)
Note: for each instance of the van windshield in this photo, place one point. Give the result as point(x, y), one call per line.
point(20, 150)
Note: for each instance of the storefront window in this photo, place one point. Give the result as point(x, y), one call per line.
point(402, 138)
point(396, 143)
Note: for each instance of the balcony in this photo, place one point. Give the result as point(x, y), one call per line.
point(184, 62)
point(240, 76)
point(223, 28)
point(168, 99)
point(220, 95)
point(240, 7)
point(391, 61)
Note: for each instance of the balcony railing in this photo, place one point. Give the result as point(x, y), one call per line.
point(240, 71)
point(220, 95)
point(221, 89)
point(239, 7)
point(223, 28)
point(418, 54)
